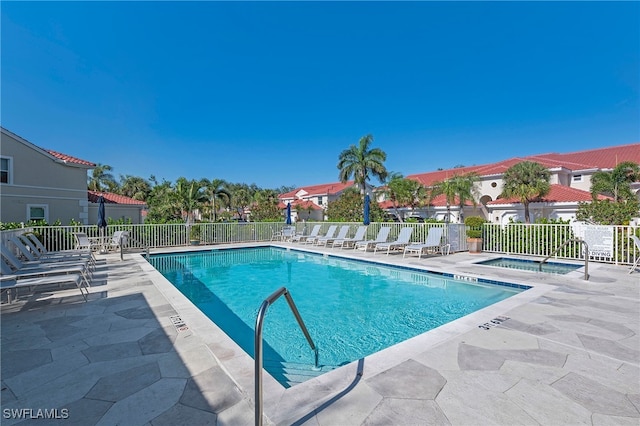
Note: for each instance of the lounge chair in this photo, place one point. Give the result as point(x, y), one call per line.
point(636, 242)
point(348, 242)
point(403, 239)
point(382, 236)
point(119, 238)
point(330, 233)
point(33, 256)
point(42, 250)
point(12, 266)
point(432, 243)
point(324, 241)
point(302, 238)
point(12, 282)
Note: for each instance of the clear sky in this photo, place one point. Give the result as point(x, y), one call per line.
point(271, 92)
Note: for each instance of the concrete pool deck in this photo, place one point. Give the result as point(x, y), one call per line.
point(138, 353)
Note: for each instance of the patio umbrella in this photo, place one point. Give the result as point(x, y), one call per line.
point(102, 221)
point(288, 220)
point(366, 220)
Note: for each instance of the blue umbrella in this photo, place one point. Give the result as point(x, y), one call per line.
point(102, 221)
point(288, 220)
point(366, 220)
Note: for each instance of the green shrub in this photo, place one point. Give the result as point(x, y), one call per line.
point(474, 226)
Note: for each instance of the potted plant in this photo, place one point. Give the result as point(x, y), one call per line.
point(194, 235)
point(474, 226)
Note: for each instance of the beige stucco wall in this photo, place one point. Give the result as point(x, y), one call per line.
point(116, 212)
point(40, 180)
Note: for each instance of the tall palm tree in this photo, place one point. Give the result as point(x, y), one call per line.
point(216, 189)
point(526, 181)
point(616, 183)
point(460, 189)
point(361, 162)
point(101, 179)
point(190, 196)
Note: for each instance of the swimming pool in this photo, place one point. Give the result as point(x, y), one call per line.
point(351, 308)
point(531, 265)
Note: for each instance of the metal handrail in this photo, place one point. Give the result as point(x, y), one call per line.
point(586, 255)
point(258, 343)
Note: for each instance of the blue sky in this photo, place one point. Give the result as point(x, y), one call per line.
point(271, 92)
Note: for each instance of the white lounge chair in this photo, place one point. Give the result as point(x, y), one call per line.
point(382, 236)
point(433, 242)
point(324, 241)
point(348, 242)
point(11, 265)
point(302, 238)
point(33, 238)
point(636, 242)
point(10, 283)
point(83, 242)
point(403, 239)
point(330, 233)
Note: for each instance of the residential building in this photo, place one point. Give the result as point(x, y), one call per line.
point(38, 183)
point(570, 184)
point(310, 202)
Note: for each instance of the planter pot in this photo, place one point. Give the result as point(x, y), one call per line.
point(194, 242)
point(474, 245)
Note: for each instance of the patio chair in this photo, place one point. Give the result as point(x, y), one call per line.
point(117, 239)
point(433, 242)
point(348, 242)
point(42, 250)
point(636, 242)
point(324, 241)
point(300, 238)
point(10, 283)
point(11, 265)
point(83, 242)
point(286, 234)
point(40, 253)
point(330, 232)
point(403, 239)
point(382, 236)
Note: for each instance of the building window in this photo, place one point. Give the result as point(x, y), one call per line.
point(577, 178)
point(320, 201)
point(5, 170)
point(37, 212)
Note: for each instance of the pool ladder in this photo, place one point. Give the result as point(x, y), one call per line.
point(586, 255)
point(258, 343)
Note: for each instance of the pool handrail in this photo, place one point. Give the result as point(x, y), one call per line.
point(258, 343)
point(586, 255)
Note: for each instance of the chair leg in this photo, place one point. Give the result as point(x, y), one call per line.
point(635, 265)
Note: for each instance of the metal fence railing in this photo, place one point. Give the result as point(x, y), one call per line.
point(519, 239)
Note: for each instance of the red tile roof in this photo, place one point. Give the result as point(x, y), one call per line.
point(322, 189)
point(557, 194)
point(69, 159)
point(601, 158)
point(113, 198)
point(304, 204)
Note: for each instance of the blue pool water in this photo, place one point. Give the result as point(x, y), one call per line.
point(351, 308)
point(531, 265)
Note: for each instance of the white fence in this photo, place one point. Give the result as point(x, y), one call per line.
point(613, 243)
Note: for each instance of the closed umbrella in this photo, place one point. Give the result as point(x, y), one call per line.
point(366, 220)
point(288, 219)
point(102, 221)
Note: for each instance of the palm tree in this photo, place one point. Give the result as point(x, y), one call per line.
point(135, 187)
point(402, 191)
point(361, 162)
point(616, 183)
point(101, 178)
point(216, 189)
point(460, 188)
point(190, 196)
point(526, 181)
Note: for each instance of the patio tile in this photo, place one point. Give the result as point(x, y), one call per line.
point(178, 413)
point(212, 390)
point(411, 411)
point(410, 380)
point(117, 386)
